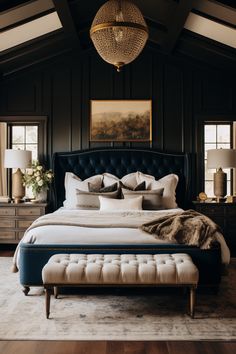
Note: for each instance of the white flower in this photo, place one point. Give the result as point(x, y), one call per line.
point(37, 174)
point(39, 168)
point(38, 178)
point(49, 175)
point(30, 172)
point(40, 183)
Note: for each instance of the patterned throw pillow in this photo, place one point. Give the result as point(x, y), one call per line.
point(139, 187)
point(94, 189)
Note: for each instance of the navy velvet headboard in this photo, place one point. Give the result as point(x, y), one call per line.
point(121, 161)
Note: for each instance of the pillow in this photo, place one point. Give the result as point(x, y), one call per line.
point(130, 180)
point(88, 200)
point(73, 182)
point(152, 199)
point(111, 188)
point(169, 183)
point(109, 179)
point(120, 204)
point(141, 177)
point(139, 187)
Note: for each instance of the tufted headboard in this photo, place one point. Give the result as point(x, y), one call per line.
point(121, 161)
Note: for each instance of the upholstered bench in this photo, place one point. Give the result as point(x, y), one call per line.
point(172, 270)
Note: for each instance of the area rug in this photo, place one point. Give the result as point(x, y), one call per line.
point(115, 317)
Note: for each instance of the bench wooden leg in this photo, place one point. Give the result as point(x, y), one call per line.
point(55, 292)
point(192, 300)
point(48, 293)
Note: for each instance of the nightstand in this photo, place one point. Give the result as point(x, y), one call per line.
point(16, 218)
point(223, 214)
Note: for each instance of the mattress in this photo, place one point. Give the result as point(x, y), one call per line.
point(74, 235)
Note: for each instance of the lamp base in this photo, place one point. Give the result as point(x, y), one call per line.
point(220, 184)
point(18, 190)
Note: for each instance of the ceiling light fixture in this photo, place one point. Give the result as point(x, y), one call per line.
point(119, 32)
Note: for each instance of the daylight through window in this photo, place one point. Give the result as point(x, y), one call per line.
point(216, 136)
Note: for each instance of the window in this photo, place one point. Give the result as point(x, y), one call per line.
point(216, 136)
point(25, 137)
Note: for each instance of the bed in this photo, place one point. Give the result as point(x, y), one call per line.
point(120, 161)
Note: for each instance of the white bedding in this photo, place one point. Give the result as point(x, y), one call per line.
point(62, 234)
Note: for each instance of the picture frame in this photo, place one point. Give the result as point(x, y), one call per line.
point(121, 120)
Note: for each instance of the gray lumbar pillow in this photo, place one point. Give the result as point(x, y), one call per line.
point(90, 200)
point(152, 199)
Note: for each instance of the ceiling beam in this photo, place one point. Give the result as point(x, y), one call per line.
point(66, 19)
point(216, 11)
point(206, 50)
point(176, 23)
point(24, 12)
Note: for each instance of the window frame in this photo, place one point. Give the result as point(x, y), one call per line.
point(200, 121)
point(231, 146)
point(41, 121)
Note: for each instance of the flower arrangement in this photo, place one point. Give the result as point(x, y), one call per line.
point(37, 178)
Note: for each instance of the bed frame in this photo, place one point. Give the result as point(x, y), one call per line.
point(119, 161)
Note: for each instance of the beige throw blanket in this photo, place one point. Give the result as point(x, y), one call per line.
point(188, 227)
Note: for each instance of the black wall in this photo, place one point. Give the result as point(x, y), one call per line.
point(183, 92)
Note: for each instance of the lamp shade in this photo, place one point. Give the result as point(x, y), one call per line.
point(224, 158)
point(17, 158)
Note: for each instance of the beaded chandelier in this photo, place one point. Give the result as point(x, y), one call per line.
point(119, 32)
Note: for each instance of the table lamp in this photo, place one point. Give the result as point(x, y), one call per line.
point(17, 159)
point(218, 159)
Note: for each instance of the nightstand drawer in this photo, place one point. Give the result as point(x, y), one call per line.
point(7, 223)
point(7, 211)
point(211, 210)
point(9, 235)
point(23, 224)
point(24, 211)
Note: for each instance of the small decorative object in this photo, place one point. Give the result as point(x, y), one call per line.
point(17, 159)
point(202, 196)
point(121, 120)
point(231, 199)
point(38, 179)
point(220, 158)
point(119, 32)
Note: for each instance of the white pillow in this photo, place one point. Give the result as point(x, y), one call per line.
point(109, 179)
point(121, 204)
point(129, 180)
point(73, 182)
point(169, 183)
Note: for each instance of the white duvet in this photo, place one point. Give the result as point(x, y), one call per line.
point(71, 235)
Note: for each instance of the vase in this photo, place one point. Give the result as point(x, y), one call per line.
point(41, 197)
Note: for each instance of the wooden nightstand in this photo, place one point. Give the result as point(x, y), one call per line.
point(224, 214)
point(16, 218)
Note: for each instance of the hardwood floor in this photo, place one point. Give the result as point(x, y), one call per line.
point(112, 347)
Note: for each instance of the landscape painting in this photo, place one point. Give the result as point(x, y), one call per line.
point(121, 120)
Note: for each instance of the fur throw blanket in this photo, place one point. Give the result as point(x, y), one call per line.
point(188, 227)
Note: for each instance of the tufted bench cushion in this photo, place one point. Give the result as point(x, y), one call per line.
point(122, 270)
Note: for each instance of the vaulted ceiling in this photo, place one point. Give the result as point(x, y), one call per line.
point(32, 31)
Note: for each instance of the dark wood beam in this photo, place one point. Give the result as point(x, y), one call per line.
point(206, 50)
point(66, 19)
point(176, 23)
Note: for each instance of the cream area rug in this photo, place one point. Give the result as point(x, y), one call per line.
point(115, 317)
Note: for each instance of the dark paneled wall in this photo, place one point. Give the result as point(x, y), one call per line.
point(183, 93)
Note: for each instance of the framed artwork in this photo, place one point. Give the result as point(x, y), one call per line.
point(121, 120)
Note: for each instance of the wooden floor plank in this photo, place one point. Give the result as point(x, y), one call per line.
point(113, 347)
